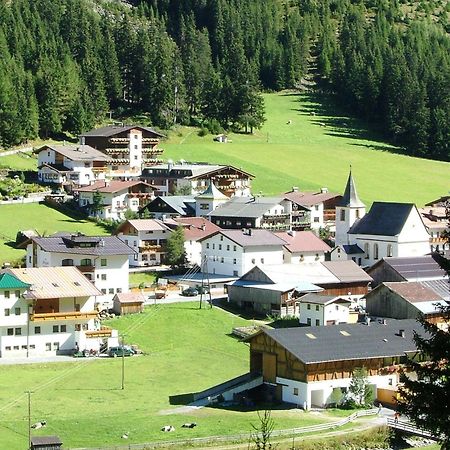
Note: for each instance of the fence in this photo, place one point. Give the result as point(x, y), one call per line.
point(243, 437)
point(409, 427)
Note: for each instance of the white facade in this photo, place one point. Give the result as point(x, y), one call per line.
point(109, 273)
point(320, 315)
point(346, 216)
point(226, 257)
point(303, 257)
point(193, 251)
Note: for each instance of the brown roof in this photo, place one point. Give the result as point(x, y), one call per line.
point(77, 152)
point(130, 297)
point(55, 282)
point(112, 186)
point(413, 291)
point(303, 241)
point(347, 271)
point(311, 198)
point(145, 225)
point(196, 227)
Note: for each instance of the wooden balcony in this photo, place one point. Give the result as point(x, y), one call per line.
point(150, 249)
point(86, 269)
point(103, 332)
point(58, 316)
point(119, 140)
point(151, 140)
point(438, 240)
point(155, 151)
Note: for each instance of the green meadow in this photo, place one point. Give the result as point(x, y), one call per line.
point(316, 150)
point(186, 350)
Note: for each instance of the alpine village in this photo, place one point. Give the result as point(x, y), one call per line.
point(224, 224)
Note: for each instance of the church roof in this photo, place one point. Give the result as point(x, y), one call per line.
point(212, 193)
point(350, 198)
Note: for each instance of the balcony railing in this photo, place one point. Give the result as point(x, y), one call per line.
point(156, 151)
point(151, 248)
point(57, 316)
point(119, 140)
point(86, 269)
point(276, 216)
point(103, 332)
point(155, 140)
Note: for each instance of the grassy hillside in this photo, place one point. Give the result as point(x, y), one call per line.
point(316, 150)
point(35, 216)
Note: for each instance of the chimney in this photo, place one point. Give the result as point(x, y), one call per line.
point(294, 188)
point(203, 227)
point(323, 190)
point(401, 333)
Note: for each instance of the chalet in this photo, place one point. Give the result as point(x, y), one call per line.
point(195, 229)
point(276, 288)
point(148, 238)
point(235, 252)
point(130, 148)
point(170, 178)
point(319, 310)
point(128, 303)
point(169, 207)
point(272, 213)
point(313, 210)
point(416, 268)
point(313, 366)
point(387, 230)
point(117, 197)
point(436, 222)
point(302, 246)
point(102, 259)
point(409, 300)
point(48, 311)
point(70, 165)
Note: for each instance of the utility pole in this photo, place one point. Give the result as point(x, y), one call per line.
point(123, 363)
point(204, 270)
point(29, 418)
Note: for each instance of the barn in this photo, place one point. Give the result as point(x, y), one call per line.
point(128, 303)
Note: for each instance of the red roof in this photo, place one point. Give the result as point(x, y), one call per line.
point(112, 186)
point(311, 198)
point(303, 241)
point(196, 227)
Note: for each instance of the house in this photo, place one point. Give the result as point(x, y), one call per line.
point(387, 230)
point(409, 300)
point(195, 229)
point(416, 268)
point(102, 259)
point(128, 303)
point(272, 213)
point(115, 198)
point(130, 148)
point(319, 310)
point(346, 252)
point(148, 238)
point(48, 311)
point(277, 288)
point(169, 207)
point(209, 200)
point(302, 246)
point(312, 367)
point(313, 210)
point(71, 165)
point(436, 222)
point(235, 252)
point(193, 178)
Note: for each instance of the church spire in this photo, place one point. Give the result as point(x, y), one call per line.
point(350, 198)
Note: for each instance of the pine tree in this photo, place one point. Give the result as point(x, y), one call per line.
point(176, 254)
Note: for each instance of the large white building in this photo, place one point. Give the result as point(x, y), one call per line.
point(49, 311)
point(102, 259)
point(235, 252)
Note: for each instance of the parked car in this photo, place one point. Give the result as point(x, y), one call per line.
point(189, 292)
point(202, 289)
point(119, 351)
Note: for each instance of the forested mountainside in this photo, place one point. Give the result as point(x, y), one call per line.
point(65, 63)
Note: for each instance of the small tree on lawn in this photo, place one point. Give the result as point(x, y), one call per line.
point(359, 392)
point(263, 431)
point(176, 255)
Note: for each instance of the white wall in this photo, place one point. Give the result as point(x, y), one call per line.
point(135, 147)
point(303, 257)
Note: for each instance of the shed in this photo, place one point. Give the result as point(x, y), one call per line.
point(46, 442)
point(128, 303)
point(221, 138)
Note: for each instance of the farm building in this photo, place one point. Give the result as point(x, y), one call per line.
point(46, 443)
point(318, 310)
point(128, 303)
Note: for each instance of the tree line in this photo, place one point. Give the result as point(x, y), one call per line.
point(65, 63)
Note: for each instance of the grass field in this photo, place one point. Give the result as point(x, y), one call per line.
point(136, 278)
point(187, 350)
point(35, 216)
point(19, 161)
point(310, 156)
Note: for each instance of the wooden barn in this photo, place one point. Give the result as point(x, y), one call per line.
point(128, 303)
point(313, 366)
point(46, 443)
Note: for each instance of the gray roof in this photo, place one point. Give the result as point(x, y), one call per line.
point(352, 249)
point(181, 204)
point(440, 287)
point(77, 152)
point(246, 207)
point(114, 129)
point(46, 440)
point(256, 238)
point(415, 266)
point(212, 193)
point(103, 245)
point(347, 271)
point(358, 341)
point(350, 198)
point(384, 218)
point(318, 299)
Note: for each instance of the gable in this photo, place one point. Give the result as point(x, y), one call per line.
point(256, 274)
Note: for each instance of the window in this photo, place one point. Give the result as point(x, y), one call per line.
point(253, 260)
point(63, 328)
point(295, 391)
point(316, 207)
point(77, 327)
point(32, 347)
point(221, 238)
point(375, 251)
point(317, 307)
point(55, 328)
point(221, 260)
point(214, 246)
point(234, 260)
point(103, 291)
point(316, 219)
point(357, 213)
point(10, 332)
point(119, 290)
point(234, 248)
point(136, 147)
point(337, 307)
point(235, 273)
point(111, 291)
point(56, 346)
point(342, 215)
point(8, 347)
point(103, 262)
point(6, 294)
point(18, 331)
point(366, 250)
point(220, 246)
point(7, 312)
point(317, 322)
point(228, 248)
point(17, 311)
point(16, 347)
point(48, 346)
point(262, 260)
point(85, 262)
point(308, 321)
point(389, 250)
point(207, 245)
point(204, 206)
point(17, 293)
point(135, 136)
point(308, 306)
point(103, 276)
point(390, 381)
point(37, 330)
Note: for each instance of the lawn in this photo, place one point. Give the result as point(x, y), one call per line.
point(187, 350)
point(19, 161)
point(316, 150)
point(136, 278)
point(35, 216)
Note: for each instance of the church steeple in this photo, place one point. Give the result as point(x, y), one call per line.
point(350, 198)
